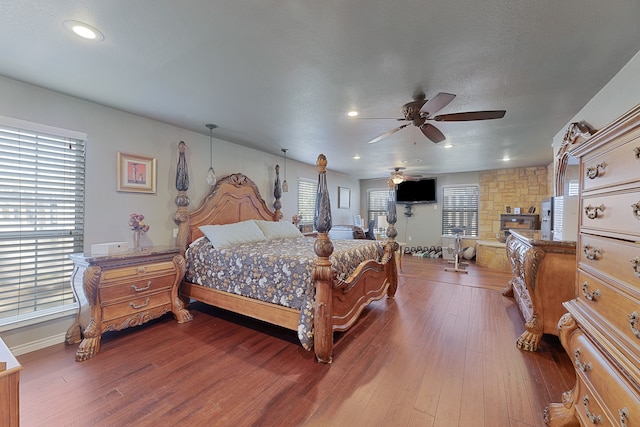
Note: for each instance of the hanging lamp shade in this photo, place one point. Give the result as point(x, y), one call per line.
point(211, 174)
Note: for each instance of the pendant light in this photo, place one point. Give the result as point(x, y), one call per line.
point(211, 174)
point(285, 186)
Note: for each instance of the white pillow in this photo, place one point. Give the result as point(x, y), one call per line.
point(278, 230)
point(227, 235)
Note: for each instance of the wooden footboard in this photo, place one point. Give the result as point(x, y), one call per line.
point(338, 303)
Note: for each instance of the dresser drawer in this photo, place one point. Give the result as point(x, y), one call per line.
point(616, 258)
point(617, 399)
point(135, 305)
point(137, 272)
point(613, 167)
point(612, 213)
point(615, 309)
point(136, 288)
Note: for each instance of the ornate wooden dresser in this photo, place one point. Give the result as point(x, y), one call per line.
point(124, 290)
point(543, 278)
point(601, 331)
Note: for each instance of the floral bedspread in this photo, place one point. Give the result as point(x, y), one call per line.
point(278, 271)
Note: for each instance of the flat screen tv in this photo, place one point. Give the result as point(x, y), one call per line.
point(421, 191)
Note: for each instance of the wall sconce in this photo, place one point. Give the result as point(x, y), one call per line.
point(285, 186)
point(211, 174)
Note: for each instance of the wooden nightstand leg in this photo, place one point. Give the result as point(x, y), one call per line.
point(90, 345)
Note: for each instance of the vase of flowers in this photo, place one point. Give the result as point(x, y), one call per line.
point(138, 227)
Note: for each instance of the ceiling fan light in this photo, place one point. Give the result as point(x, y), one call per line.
point(397, 179)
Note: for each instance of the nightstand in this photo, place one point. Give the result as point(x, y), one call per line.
point(123, 290)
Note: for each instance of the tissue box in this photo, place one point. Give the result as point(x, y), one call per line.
point(109, 248)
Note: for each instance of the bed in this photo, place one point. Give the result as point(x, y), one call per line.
point(326, 297)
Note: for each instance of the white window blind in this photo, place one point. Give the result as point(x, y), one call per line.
point(574, 188)
point(41, 218)
point(306, 201)
point(376, 204)
point(460, 209)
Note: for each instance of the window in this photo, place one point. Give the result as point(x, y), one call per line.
point(574, 187)
point(307, 190)
point(376, 203)
point(41, 218)
point(460, 209)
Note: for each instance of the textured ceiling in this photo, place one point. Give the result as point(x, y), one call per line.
point(282, 74)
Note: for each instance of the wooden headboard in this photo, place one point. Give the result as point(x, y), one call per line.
point(234, 198)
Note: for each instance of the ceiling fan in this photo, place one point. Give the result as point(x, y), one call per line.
point(397, 176)
point(420, 110)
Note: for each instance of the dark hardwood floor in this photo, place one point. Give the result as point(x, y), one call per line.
point(441, 353)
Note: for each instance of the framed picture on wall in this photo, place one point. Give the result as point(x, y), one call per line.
point(344, 198)
point(136, 174)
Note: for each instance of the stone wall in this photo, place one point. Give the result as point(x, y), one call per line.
point(515, 187)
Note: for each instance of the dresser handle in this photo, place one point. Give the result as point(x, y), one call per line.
point(583, 366)
point(623, 415)
point(594, 171)
point(633, 319)
point(146, 303)
point(142, 270)
point(592, 253)
point(636, 210)
point(635, 263)
point(596, 419)
point(636, 151)
point(137, 289)
point(591, 296)
point(592, 211)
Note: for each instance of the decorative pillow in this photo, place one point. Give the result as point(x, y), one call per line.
point(227, 235)
point(278, 230)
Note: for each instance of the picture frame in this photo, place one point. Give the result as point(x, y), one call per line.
point(344, 198)
point(136, 174)
point(516, 211)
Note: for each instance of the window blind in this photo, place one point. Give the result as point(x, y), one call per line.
point(376, 204)
point(306, 201)
point(460, 209)
point(41, 218)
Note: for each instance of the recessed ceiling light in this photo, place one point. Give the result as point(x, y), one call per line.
point(356, 157)
point(83, 30)
point(447, 146)
point(506, 159)
point(352, 113)
point(411, 161)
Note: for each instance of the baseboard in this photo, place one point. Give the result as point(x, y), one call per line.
point(38, 344)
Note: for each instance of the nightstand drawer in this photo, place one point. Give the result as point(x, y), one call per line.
point(135, 305)
point(136, 288)
point(136, 272)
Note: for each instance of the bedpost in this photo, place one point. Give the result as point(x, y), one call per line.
point(323, 328)
point(277, 193)
point(391, 247)
point(181, 217)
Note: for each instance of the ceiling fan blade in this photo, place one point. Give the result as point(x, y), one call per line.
point(437, 103)
point(470, 115)
point(432, 132)
point(388, 133)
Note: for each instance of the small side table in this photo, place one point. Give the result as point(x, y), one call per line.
point(124, 290)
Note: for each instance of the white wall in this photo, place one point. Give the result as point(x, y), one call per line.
point(617, 97)
point(424, 227)
point(109, 131)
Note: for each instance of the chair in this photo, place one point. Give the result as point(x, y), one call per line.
point(371, 234)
